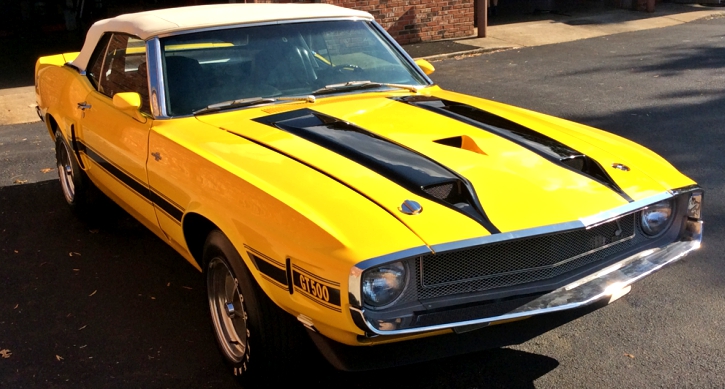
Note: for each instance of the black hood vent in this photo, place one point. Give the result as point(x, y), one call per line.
point(407, 168)
point(549, 148)
point(453, 192)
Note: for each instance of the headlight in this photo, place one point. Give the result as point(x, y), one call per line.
point(383, 284)
point(656, 218)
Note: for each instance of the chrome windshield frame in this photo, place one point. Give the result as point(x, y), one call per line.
point(157, 92)
point(155, 61)
point(402, 51)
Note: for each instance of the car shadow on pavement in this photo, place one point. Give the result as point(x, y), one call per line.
point(96, 306)
point(111, 305)
point(497, 368)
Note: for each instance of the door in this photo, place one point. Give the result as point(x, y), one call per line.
point(115, 141)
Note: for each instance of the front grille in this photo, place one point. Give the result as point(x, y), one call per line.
point(510, 263)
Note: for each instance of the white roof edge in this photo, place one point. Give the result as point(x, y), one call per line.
point(148, 24)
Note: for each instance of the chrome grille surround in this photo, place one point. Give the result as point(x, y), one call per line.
point(515, 262)
point(581, 285)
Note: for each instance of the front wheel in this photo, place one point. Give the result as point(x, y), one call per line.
point(243, 316)
point(228, 312)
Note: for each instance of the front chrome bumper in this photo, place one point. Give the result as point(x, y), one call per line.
point(609, 282)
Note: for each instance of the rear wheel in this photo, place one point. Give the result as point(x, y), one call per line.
point(243, 316)
point(77, 188)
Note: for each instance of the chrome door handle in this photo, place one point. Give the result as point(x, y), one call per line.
point(83, 106)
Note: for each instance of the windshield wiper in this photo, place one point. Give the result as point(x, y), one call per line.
point(353, 85)
point(235, 104)
point(251, 101)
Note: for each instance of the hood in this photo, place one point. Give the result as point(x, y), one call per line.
point(475, 167)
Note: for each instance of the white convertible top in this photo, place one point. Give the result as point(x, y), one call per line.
point(165, 21)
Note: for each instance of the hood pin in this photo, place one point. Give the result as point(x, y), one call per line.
point(410, 207)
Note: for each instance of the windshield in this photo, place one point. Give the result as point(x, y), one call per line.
point(210, 67)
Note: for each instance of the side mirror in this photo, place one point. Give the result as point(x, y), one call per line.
point(425, 66)
point(129, 103)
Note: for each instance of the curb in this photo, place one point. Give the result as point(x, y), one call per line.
point(18, 106)
point(438, 57)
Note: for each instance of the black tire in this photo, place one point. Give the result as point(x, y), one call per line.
point(252, 318)
point(78, 190)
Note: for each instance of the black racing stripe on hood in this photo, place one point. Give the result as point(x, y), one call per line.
point(548, 148)
point(407, 168)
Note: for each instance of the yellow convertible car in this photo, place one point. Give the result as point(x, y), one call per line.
point(300, 159)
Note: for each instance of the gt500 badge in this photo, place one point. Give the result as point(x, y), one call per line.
point(317, 289)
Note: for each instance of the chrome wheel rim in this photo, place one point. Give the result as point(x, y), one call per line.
point(227, 310)
point(65, 173)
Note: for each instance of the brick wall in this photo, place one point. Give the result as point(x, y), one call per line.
point(411, 21)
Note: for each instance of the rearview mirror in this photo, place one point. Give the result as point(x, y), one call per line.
point(425, 66)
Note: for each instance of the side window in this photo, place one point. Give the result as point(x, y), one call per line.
point(123, 68)
point(94, 65)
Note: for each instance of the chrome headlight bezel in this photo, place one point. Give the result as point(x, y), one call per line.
point(694, 205)
point(657, 218)
point(382, 285)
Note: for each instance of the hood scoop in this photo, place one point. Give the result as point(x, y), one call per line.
point(461, 142)
point(407, 168)
point(548, 148)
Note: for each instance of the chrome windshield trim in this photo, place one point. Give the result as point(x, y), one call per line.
point(267, 23)
point(402, 51)
point(156, 78)
point(605, 283)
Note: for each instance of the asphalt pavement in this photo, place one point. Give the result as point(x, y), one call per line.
point(110, 306)
point(664, 89)
point(517, 25)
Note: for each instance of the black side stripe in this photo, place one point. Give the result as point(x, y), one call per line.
point(269, 271)
point(173, 210)
point(117, 172)
point(288, 270)
point(548, 148)
point(74, 142)
point(264, 256)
